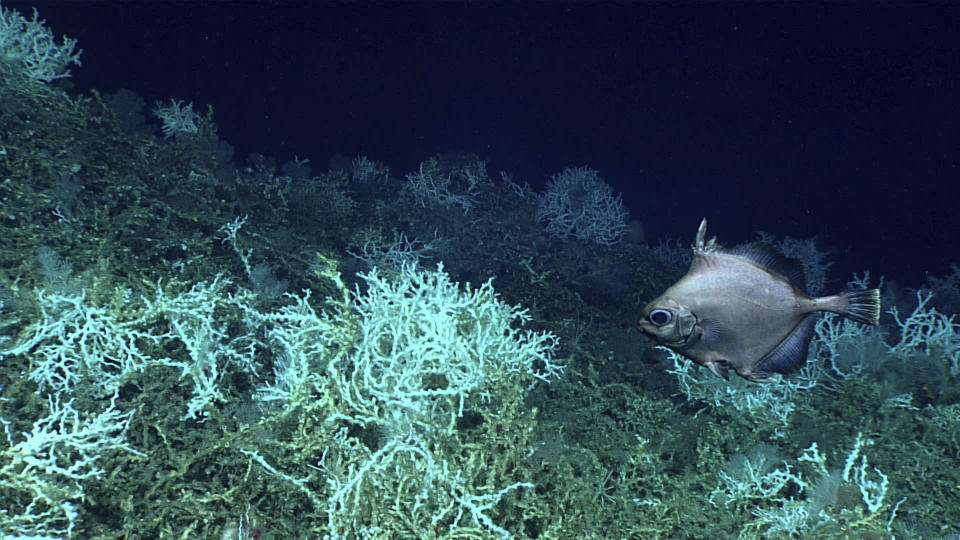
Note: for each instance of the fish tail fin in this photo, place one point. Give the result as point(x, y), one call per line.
point(864, 306)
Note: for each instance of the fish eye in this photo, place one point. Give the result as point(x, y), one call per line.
point(660, 317)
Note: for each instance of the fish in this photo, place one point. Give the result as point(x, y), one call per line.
point(745, 308)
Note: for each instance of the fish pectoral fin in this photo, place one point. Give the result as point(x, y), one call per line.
point(790, 353)
point(720, 369)
point(712, 331)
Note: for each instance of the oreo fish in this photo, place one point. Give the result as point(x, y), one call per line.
point(745, 309)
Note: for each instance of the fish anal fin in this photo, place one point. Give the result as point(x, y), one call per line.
point(790, 353)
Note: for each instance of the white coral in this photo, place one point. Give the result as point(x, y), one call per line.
point(32, 45)
point(579, 204)
point(177, 118)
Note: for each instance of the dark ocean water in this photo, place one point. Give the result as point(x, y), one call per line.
point(836, 121)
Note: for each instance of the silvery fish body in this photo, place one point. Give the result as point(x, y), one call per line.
point(745, 309)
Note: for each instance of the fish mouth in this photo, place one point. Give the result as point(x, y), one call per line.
point(679, 342)
point(684, 339)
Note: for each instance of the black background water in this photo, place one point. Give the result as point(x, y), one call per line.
point(838, 121)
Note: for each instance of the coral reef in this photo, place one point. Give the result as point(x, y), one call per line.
point(192, 349)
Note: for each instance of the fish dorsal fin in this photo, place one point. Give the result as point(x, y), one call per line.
point(700, 244)
point(792, 351)
point(767, 257)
